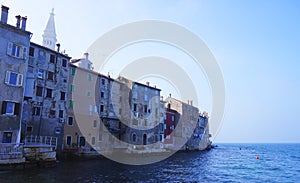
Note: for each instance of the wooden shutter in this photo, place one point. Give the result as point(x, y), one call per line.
point(17, 109)
point(24, 53)
point(20, 80)
point(3, 111)
point(9, 48)
point(7, 77)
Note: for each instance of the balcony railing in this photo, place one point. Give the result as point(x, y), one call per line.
point(11, 151)
point(40, 140)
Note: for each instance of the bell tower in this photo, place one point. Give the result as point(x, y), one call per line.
point(49, 36)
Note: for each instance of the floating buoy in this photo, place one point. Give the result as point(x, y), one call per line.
point(256, 157)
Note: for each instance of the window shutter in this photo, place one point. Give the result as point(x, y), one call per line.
point(7, 77)
point(24, 53)
point(20, 80)
point(3, 111)
point(9, 48)
point(17, 109)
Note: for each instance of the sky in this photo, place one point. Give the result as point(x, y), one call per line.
point(256, 44)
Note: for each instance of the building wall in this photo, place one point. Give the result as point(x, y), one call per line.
point(83, 108)
point(11, 93)
point(144, 102)
point(187, 121)
point(45, 100)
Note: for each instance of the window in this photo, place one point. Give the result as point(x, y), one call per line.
point(39, 91)
point(71, 104)
point(165, 117)
point(52, 58)
point(61, 113)
point(64, 63)
point(73, 71)
point(95, 123)
point(16, 50)
point(145, 108)
point(89, 66)
point(13, 79)
point(52, 112)
point(49, 93)
point(146, 97)
point(103, 81)
point(69, 140)
point(29, 129)
point(93, 140)
point(70, 121)
point(50, 75)
point(91, 110)
point(173, 118)
point(96, 108)
point(134, 107)
point(31, 51)
point(10, 108)
point(102, 94)
point(120, 111)
point(88, 94)
point(40, 74)
point(101, 108)
point(62, 95)
point(72, 87)
point(89, 77)
point(36, 111)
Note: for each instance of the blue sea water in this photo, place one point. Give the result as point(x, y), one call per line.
point(225, 163)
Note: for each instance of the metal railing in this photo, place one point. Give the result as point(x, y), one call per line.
point(40, 140)
point(11, 151)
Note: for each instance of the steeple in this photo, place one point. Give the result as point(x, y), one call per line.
point(49, 36)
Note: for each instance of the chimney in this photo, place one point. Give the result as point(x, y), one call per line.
point(18, 17)
point(170, 95)
point(86, 55)
point(58, 47)
point(23, 26)
point(4, 14)
point(147, 83)
point(188, 102)
point(191, 103)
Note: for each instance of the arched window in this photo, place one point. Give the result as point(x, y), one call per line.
point(134, 137)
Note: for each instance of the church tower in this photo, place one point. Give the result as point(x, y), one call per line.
point(49, 36)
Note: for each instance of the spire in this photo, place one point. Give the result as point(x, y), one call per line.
point(49, 36)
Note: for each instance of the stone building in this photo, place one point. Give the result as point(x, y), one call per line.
point(187, 121)
point(45, 98)
point(14, 46)
point(144, 119)
point(83, 123)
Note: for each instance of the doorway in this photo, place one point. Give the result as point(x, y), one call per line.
point(145, 139)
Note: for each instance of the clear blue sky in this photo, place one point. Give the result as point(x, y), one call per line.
point(256, 43)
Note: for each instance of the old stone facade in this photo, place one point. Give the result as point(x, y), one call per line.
point(15, 41)
point(144, 102)
point(45, 99)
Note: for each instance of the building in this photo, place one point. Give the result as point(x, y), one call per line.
point(144, 102)
point(45, 98)
point(170, 122)
point(83, 123)
point(15, 42)
point(186, 122)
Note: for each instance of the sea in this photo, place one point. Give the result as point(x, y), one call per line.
point(224, 163)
